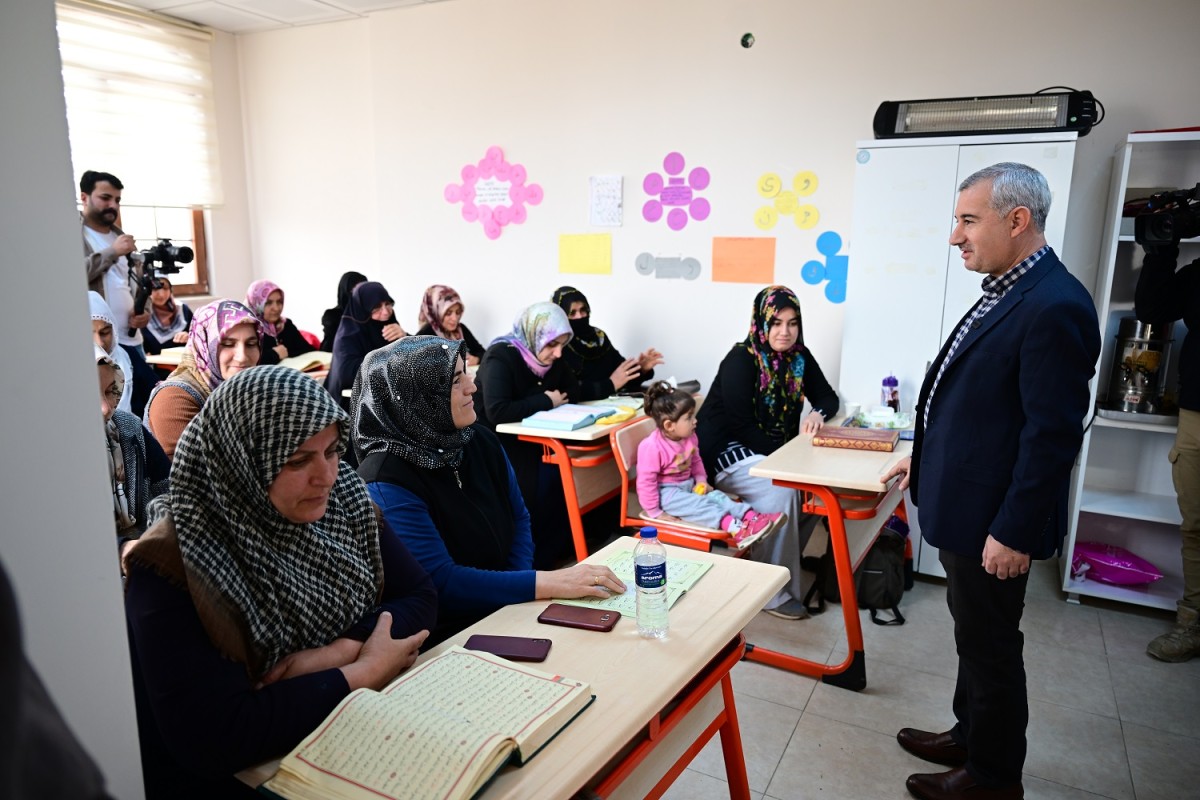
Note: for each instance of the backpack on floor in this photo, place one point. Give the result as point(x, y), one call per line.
point(879, 580)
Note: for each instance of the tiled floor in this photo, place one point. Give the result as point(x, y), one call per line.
point(1106, 720)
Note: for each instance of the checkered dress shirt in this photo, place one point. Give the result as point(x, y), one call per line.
point(993, 289)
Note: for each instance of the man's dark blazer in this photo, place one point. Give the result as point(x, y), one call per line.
point(1007, 419)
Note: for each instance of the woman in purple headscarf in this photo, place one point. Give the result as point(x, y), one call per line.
point(281, 338)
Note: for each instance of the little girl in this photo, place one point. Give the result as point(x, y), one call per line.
point(671, 483)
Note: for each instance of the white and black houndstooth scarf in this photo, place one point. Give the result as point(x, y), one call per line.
point(295, 586)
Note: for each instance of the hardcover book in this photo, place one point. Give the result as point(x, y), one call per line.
point(880, 439)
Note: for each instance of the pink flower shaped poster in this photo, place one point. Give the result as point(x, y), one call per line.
point(494, 193)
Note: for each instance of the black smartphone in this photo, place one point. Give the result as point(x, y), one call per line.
point(592, 619)
point(514, 648)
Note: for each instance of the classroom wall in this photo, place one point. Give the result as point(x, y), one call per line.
point(56, 541)
point(399, 102)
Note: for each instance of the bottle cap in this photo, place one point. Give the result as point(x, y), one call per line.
point(891, 380)
point(649, 532)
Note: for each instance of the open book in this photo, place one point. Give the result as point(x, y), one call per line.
point(441, 730)
point(568, 417)
point(682, 575)
point(312, 361)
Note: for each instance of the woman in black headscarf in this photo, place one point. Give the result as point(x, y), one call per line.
point(332, 318)
point(590, 354)
point(267, 591)
point(446, 487)
point(367, 324)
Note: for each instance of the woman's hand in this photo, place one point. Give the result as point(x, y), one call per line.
point(624, 373)
point(382, 657)
point(472, 361)
point(581, 580)
point(557, 398)
point(180, 338)
point(281, 351)
point(649, 359)
point(665, 517)
point(812, 423)
point(392, 331)
point(337, 653)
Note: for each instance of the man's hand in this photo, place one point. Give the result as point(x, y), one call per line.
point(139, 320)
point(1002, 561)
point(124, 245)
point(902, 468)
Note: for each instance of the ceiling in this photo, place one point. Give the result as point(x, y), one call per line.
point(247, 16)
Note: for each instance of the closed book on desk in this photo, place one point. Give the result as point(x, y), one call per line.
point(568, 417)
point(314, 361)
point(440, 730)
point(881, 439)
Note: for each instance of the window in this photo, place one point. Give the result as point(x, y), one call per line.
point(184, 227)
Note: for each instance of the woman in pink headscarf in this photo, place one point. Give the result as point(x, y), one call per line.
point(281, 338)
point(441, 315)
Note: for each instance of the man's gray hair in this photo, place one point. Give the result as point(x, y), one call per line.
point(1015, 185)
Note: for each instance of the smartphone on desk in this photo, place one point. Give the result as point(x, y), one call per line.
point(591, 619)
point(514, 648)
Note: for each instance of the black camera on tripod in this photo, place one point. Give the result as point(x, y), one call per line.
point(164, 258)
point(1169, 217)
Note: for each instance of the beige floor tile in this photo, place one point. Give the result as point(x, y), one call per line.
point(772, 684)
point(1038, 789)
point(1077, 749)
point(1069, 678)
point(925, 643)
point(766, 729)
point(1157, 695)
point(1056, 622)
point(1165, 766)
point(811, 638)
point(895, 698)
point(1127, 631)
point(831, 759)
point(1045, 581)
point(692, 785)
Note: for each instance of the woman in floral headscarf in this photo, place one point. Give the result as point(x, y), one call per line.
point(281, 338)
point(224, 340)
point(522, 373)
point(441, 315)
point(756, 404)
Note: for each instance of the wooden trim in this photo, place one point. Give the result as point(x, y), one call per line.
point(200, 246)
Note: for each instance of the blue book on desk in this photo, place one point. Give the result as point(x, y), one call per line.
point(568, 417)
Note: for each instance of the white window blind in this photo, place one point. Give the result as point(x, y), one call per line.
point(139, 95)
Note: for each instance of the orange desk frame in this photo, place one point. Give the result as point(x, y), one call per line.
point(851, 673)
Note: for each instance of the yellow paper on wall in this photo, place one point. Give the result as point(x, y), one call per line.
point(585, 253)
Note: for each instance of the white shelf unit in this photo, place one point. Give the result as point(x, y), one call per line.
point(1122, 487)
point(906, 287)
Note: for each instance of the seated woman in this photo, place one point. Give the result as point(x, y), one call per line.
point(104, 338)
point(441, 315)
point(332, 318)
point(590, 354)
point(224, 341)
point(367, 325)
point(269, 589)
point(756, 405)
point(169, 320)
point(421, 453)
point(281, 338)
point(523, 373)
point(138, 469)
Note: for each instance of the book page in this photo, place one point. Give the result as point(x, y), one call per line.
point(682, 575)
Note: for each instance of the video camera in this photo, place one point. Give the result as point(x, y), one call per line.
point(1169, 217)
point(167, 257)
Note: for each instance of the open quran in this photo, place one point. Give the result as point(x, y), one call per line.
point(440, 730)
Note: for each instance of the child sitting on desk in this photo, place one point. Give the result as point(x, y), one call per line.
point(671, 482)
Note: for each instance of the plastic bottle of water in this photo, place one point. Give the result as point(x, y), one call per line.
point(650, 575)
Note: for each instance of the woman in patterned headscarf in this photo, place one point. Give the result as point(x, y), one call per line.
point(105, 337)
point(590, 354)
point(441, 315)
point(446, 487)
point(756, 405)
point(522, 373)
point(224, 340)
point(269, 588)
point(281, 338)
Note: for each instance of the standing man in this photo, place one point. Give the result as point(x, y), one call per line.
point(114, 268)
point(1164, 295)
point(1000, 421)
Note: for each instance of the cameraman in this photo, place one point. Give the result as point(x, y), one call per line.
point(114, 269)
point(1164, 295)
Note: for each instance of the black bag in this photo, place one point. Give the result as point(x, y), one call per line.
point(879, 581)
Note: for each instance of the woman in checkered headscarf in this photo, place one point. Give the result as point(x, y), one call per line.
point(250, 598)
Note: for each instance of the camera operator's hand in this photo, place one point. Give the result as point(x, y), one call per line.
point(180, 338)
point(392, 331)
point(280, 351)
point(123, 246)
point(139, 320)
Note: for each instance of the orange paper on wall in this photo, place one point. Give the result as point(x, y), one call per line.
point(743, 259)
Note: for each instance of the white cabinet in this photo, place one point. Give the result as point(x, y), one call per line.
point(1123, 489)
point(907, 288)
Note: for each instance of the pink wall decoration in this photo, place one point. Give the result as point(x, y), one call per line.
point(672, 191)
point(494, 193)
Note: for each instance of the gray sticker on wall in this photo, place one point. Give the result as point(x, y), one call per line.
point(668, 266)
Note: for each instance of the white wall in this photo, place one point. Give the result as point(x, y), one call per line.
point(400, 101)
point(57, 541)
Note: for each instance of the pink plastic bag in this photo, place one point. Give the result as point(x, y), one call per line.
point(1111, 564)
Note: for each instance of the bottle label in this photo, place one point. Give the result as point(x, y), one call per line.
point(651, 576)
